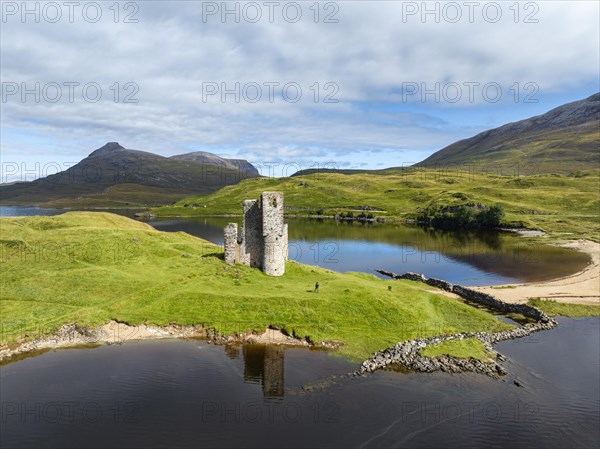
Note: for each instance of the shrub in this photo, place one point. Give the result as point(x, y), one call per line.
point(463, 217)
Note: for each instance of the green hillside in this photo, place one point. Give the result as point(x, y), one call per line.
point(563, 140)
point(553, 203)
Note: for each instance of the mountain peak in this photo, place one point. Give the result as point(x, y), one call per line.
point(203, 157)
point(112, 146)
point(108, 147)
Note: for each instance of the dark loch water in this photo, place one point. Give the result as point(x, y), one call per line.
point(460, 257)
point(192, 394)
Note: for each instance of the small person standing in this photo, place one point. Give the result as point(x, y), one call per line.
point(317, 287)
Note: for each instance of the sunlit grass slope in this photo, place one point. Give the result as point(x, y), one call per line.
point(554, 308)
point(88, 268)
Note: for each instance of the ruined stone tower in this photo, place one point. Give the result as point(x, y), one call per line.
point(263, 242)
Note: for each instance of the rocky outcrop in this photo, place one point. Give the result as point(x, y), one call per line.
point(407, 353)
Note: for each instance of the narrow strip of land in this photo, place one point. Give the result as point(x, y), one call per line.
point(580, 288)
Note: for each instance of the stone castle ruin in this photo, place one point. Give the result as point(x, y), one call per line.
point(263, 242)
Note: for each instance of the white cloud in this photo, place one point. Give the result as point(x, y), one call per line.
point(369, 54)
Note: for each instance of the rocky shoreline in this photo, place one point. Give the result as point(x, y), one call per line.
point(113, 332)
point(408, 353)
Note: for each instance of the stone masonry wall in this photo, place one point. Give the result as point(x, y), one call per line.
point(252, 234)
point(264, 239)
point(285, 241)
point(273, 233)
point(230, 243)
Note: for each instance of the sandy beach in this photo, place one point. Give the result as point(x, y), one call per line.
point(580, 288)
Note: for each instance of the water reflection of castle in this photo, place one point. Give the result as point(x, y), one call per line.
point(262, 364)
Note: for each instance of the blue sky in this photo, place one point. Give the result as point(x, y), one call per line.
point(372, 60)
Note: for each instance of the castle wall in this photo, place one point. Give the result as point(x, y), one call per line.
point(252, 234)
point(230, 243)
point(273, 233)
point(264, 238)
point(285, 242)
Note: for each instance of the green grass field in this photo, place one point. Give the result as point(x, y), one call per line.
point(90, 267)
point(554, 308)
point(561, 205)
point(463, 349)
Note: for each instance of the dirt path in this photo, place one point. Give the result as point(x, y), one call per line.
point(579, 288)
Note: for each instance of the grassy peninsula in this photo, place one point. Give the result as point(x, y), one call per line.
point(562, 205)
point(90, 267)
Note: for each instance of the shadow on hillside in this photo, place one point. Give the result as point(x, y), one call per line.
point(218, 255)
